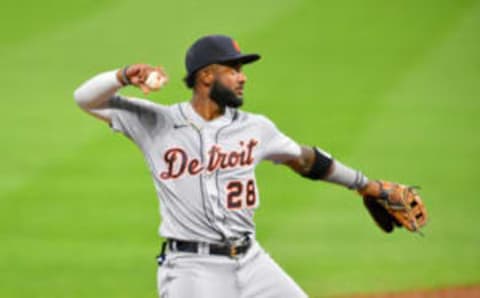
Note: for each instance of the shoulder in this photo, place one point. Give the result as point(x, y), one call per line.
point(140, 112)
point(134, 104)
point(253, 118)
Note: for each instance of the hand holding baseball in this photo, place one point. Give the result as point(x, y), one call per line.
point(155, 80)
point(143, 76)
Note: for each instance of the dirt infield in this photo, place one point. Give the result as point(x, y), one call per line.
point(453, 292)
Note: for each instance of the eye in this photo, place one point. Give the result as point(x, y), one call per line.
point(232, 71)
point(238, 69)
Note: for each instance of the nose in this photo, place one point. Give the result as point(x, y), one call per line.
point(242, 77)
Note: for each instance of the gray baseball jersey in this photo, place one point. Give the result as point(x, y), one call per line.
point(203, 171)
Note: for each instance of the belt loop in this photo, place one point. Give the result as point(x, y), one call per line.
point(203, 248)
point(173, 245)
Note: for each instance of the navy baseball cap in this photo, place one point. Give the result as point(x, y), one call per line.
point(212, 49)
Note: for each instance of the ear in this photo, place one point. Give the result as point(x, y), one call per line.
point(206, 77)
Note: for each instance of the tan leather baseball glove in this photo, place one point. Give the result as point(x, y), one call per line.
point(391, 204)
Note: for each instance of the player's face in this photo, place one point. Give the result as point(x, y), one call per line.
point(227, 89)
point(232, 77)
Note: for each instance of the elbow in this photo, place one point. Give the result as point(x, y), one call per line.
point(319, 164)
point(85, 99)
point(80, 98)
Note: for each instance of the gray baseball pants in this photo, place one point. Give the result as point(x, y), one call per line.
point(195, 275)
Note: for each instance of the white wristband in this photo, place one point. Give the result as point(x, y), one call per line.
point(343, 175)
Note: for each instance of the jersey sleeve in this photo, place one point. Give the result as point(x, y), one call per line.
point(136, 118)
point(277, 146)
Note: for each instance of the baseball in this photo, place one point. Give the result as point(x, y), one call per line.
point(155, 80)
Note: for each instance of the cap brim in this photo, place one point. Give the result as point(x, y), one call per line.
point(241, 58)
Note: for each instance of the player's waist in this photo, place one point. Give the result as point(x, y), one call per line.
point(230, 249)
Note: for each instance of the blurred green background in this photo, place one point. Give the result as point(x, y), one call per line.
point(389, 87)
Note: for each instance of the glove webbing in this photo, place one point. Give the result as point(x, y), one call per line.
point(385, 195)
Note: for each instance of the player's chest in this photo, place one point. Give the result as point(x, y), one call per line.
point(189, 152)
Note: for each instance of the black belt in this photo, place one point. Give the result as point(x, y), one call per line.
point(213, 249)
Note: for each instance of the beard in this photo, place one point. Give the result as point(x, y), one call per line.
point(224, 97)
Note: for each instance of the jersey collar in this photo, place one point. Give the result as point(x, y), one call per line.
point(194, 118)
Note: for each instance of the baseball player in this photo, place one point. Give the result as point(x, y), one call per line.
point(202, 154)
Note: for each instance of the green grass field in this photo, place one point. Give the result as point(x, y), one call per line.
point(391, 88)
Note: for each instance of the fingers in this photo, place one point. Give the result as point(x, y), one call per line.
point(144, 88)
point(138, 74)
point(163, 74)
point(137, 70)
point(160, 78)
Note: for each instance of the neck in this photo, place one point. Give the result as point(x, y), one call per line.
point(206, 107)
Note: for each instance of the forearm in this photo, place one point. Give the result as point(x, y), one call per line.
point(95, 93)
point(346, 176)
point(316, 164)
